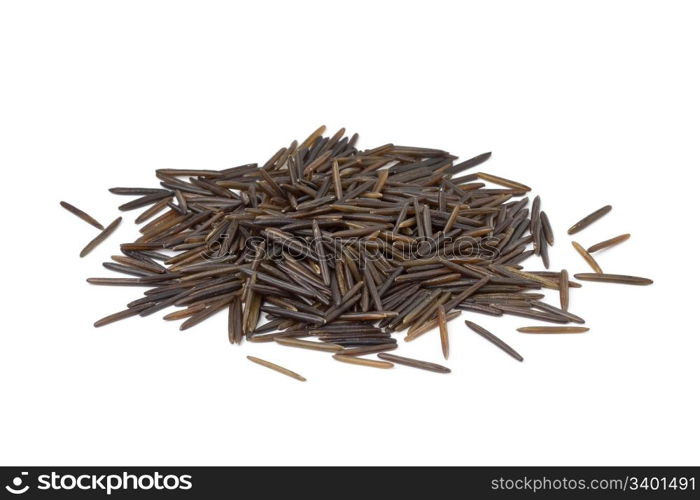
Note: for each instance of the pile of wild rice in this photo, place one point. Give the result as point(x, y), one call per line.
point(344, 246)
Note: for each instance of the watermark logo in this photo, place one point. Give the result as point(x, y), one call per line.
point(16, 487)
point(104, 483)
point(391, 246)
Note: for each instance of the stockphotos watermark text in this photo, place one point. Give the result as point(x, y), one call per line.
point(99, 482)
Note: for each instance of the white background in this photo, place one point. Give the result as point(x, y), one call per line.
point(589, 104)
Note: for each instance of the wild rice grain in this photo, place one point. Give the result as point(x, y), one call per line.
point(587, 257)
point(414, 363)
point(362, 361)
point(277, 368)
point(589, 219)
point(564, 289)
point(494, 340)
point(79, 213)
point(101, 237)
point(309, 344)
point(553, 329)
point(444, 339)
point(613, 278)
point(609, 243)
